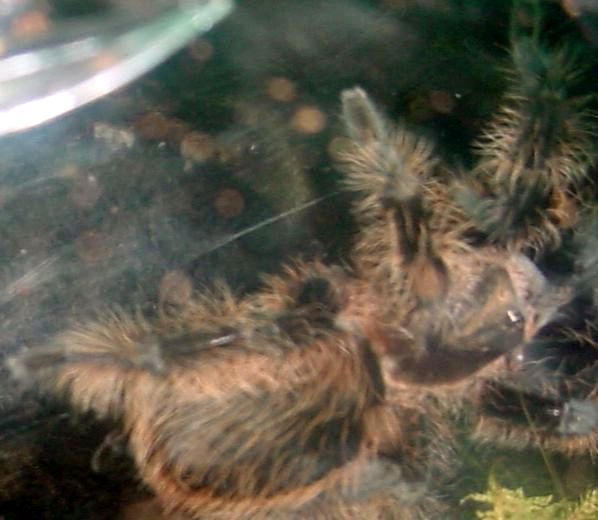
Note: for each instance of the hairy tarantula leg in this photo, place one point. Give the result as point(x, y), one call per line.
point(92, 363)
point(535, 152)
point(388, 166)
point(549, 417)
point(579, 417)
point(128, 343)
point(95, 362)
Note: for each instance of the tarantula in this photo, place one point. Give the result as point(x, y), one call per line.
point(330, 393)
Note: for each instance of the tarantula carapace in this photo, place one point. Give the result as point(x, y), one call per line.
point(330, 393)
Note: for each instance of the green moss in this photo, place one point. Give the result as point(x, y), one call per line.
point(501, 503)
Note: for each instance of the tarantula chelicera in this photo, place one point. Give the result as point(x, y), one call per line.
point(329, 394)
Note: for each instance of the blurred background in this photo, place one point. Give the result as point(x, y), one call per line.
point(217, 164)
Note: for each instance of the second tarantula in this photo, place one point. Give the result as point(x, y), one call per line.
point(329, 393)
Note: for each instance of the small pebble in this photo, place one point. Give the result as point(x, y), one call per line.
point(281, 89)
point(197, 147)
point(155, 126)
point(308, 120)
point(229, 203)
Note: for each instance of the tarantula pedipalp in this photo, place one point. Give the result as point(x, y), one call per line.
point(328, 393)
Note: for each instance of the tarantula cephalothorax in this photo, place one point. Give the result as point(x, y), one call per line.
point(328, 394)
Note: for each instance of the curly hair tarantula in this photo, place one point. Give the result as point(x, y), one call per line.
point(331, 393)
